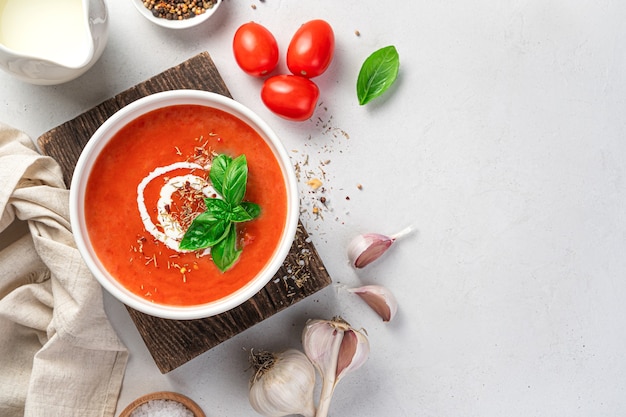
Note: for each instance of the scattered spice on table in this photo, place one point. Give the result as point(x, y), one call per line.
point(312, 170)
point(178, 9)
point(298, 266)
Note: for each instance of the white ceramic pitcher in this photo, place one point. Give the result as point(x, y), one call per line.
point(51, 42)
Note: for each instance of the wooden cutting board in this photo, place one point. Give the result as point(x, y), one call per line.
point(171, 342)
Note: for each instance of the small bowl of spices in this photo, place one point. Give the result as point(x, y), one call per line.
point(177, 14)
point(163, 404)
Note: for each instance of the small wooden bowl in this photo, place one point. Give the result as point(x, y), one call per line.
point(164, 395)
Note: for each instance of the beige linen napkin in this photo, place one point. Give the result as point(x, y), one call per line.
point(59, 355)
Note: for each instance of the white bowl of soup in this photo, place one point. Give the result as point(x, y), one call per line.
point(167, 170)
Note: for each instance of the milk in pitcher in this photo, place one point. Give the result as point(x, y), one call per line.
point(52, 30)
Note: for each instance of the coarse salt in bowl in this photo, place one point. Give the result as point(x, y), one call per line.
point(163, 404)
point(182, 23)
point(190, 279)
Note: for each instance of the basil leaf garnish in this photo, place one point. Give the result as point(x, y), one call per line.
point(205, 230)
point(225, 252)
point(244, 212)
point(218, 208)
point(377, 74)
point(218, 170)
point(234, 181)
point(253, 209)
point(216, 226)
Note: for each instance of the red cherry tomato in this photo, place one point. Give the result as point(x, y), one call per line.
point(311, 49)
point(255, 49)
point(290, 96)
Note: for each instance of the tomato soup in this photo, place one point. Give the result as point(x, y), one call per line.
point(167, 152)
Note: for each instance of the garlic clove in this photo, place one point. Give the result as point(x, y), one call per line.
point(380, 299)
point(334, 347)
point(353, 353)
point(346, 353)
point(318, 339)
point(365, 249)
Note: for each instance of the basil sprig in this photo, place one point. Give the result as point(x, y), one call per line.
point(216, 226)
point(377, 74)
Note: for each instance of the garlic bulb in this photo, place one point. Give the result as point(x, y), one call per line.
point(379, 298)
point(365, 249)
point(283, 384)
point(335, 349)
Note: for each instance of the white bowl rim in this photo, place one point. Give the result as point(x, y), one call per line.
point(99, 140)
point(175, 24)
